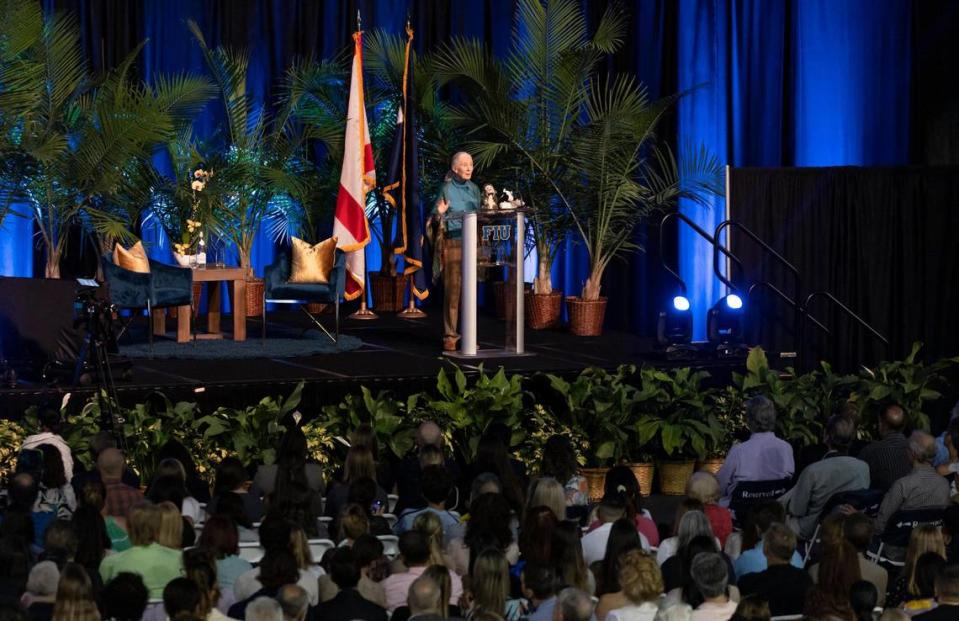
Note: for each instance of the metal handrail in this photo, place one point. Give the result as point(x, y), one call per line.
point(862, 322)
point(689, 222)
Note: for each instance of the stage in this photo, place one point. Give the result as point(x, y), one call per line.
point(397, 354)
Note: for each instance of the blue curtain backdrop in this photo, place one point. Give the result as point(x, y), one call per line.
point(771, 82)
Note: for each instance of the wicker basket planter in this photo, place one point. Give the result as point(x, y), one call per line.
point(586, 316)
point(711, 465)
point(254, 297)
point(388, 292)
point(673, 476)
point(543, 310)
point(595, 482)
point(644, 475)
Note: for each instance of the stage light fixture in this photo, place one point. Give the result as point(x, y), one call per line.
point(726, 326)
point(674, 330)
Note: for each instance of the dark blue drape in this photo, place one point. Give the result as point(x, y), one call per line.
point(771, 82)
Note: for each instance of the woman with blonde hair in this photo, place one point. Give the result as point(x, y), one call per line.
point(199, 565)
point(641, 584)
point(704, 487)
point(155, 563)
point(547, 492)
point(75, 596)
point(359, 465)
point(170, 533)
point(490, 587)
point(924, 538)
point(353, 523)
point(430, 525)
point(300, 546)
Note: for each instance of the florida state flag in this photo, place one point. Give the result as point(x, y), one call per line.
point(350, 226)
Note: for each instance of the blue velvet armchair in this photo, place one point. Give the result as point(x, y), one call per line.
point(163, 287)
point(278, 290)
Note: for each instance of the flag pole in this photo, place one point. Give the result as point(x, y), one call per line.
point(410, 312)
point(364, 313)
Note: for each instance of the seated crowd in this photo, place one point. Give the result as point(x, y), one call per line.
point(861, 531)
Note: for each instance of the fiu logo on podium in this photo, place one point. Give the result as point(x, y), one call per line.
point(497, 232)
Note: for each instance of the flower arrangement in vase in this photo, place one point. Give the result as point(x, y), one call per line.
point(191, 251)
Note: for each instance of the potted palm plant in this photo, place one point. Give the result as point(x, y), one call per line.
point(73, 143)
point(523, 112)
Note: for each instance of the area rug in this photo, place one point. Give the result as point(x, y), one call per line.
point(311, 343)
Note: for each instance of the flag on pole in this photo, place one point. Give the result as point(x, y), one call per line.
point(403, 184)
point(350, 226)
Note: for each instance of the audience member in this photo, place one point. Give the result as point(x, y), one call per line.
point(425, 600)
point(15, 559)
point(539, 586)
point(559, 462)
point(838, 571)
point(199, 565)
point(567, 558)
point(620, 480)
point(183, 600)
point(359, 465)
point(348, 604)
point(781, 584)
point(950, 532)
point(536, 534)
point(835, 472)
point(491, 588)
point(415, 554)
point(711, 596)
point(294, 601)
point(219, 536)
point(292, 451)
point(275, 537)
point(640, 586)
point(923, 539)
point(622, 538)
point(436, 485)
point(353, 523)
point(171, 483)
point(921, 488)
point(366, 493)
point(611, 510)
point(300, 546)
point(93, 541)
point(763, 457)
point(428, 440)
point(573, 605)
point(120, 497)
point(858, 530)
point(74, 600)
point(674, 612)
point(56, 494)
point(947, 596)
point(693, 524)
point(668, 546)
point(99, 442)
point(264, 609)
point(230, 505)
point(760, 517)
point(231, 477)
point(429, 525)
point(170, 533)
point(547, 492)
point(124, 598)
point(59, 543)
point(492, 455)
point(50, 424)
point(93, 497)
point(156, 564)
point(276, 569)
point(863, 597)
point(489, 525)
point(927, 568)
point(752, 608)
point(41, 592)
point(704, 487)
point(889, 457)
point(440, 577)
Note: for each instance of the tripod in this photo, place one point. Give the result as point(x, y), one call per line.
point(97, 318)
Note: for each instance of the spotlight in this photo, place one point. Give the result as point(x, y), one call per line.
point(725, 326)
point(674, 330)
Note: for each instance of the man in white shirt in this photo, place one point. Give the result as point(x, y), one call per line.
point(50, 434)
point(594, 542)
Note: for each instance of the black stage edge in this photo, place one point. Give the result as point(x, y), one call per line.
point(397, 354)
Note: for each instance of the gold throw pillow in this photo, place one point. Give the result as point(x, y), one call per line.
point(312, 264)
point(134, 259)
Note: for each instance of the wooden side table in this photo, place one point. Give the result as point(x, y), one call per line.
point(215, 275)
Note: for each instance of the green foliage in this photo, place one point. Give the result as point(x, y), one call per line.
point(598, 408)
point(383, 412)
point(674, 416)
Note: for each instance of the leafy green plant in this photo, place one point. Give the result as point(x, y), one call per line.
point(674, 417)
point(12, 435)
point(383, 412)
point(253, 432)
point(909, 382)
point(598, 406)
point(468, 407)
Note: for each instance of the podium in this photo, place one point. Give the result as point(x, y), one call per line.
point(494, 238)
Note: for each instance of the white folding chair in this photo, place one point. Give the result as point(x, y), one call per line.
point(391, 546)
point(318, 548)
point(251, 551)
point(390, 519)
point(391, 500)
